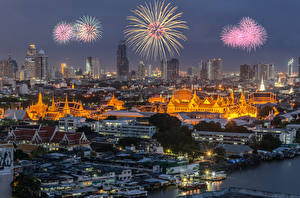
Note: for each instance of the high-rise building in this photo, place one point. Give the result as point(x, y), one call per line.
point(150, 70)
point(291, 67)
point(202, 70)
point(245, 72)
point(214, 69)
point(265, 71)
point(41, 66)
point(163, 68)
point(172, 69)
point(7, 68)
point(141, 70)
point(122, 62)
point(92, 67)
point(29, 65)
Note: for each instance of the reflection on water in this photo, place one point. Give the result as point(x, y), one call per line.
point(213, 186)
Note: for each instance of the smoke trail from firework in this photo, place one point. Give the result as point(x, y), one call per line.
point(155, 30)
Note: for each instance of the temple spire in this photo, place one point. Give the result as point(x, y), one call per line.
point(242, 98)
point(40, 101)
point(262, 85)
point(66, 107)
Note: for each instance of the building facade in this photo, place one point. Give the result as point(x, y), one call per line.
point(122, 62)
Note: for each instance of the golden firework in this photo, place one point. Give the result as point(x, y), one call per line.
point(155, 30)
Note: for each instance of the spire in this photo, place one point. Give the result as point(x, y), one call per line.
point(40, 101)
point(262, 85)
point(242, 98)
point(66, 107)
point(53, 107)
point(232, 97)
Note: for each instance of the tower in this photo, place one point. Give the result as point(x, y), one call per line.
point(31, 53)
point(172, 69)
point(290, 67)
point(141, 70)
point(41, 66)
point(122, 62)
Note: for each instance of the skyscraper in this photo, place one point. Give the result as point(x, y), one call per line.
point(150, 70)
point(29, 65)
point(141, 70)
point(41, 66)
point(290, 67)
point(92, 67)
point(265, 71)
point(122, 62)
point(163, 68)
point(245, 72)
point(7, 68)
point(214, 68)
point(172, 69)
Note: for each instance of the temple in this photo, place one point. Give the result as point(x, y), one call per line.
point(39, 110)
point(114, 102)
point(56, 110)
point(261, 96)
point(186, 101)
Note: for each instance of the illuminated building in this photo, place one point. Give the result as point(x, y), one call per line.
point(41, 66)
point(141, 70)
point(56, 110)
point(290, 67)
point(261, 96)
point(114, 102)
point(30, 62)
point(39, 110)
point(185, 101)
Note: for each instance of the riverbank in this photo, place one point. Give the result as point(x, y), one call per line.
point(274, 176)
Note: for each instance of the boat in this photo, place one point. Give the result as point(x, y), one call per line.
point(214, 176)
point(192, 185)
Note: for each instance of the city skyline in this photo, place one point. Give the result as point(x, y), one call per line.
point(203, 36)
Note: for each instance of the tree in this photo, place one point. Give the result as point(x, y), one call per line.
point(232, 127)
point(269, 142)
point(128, 141)
point(20, 155)
point(25, 186)
point(211, 126)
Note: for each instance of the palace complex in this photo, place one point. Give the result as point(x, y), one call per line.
point(60, 109)
point(181, 101)
point(56, 110)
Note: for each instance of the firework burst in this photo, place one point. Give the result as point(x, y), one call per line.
point(88, 29)
point(62, 32)
point(155, 30)
point(248, 34)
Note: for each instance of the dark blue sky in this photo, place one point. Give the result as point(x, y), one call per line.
point(31, 21)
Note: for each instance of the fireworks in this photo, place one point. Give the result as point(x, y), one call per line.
point(62, 32)
point(86, 29)
point(89, 29)
point(247, 35)
point(155, 30)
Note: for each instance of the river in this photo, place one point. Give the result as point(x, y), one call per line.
point(275, 176)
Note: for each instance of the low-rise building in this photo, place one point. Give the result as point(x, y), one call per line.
point(47, 137)
point(70, 123)
point(125, 128)
point(222, 137)
point(286, 136)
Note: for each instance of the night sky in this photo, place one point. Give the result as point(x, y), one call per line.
point(32, 21)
